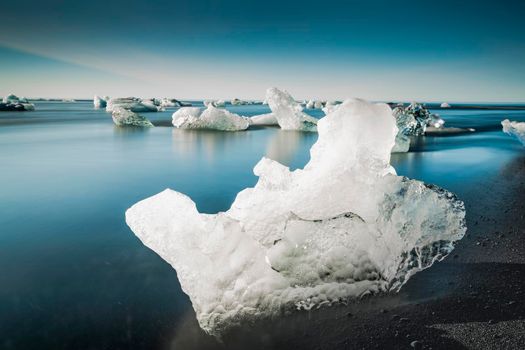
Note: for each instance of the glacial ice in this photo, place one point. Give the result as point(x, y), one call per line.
point(344, 226)
point(515, 129)
point(267, 119)
point(288, 112)
point(413, 120)
point(125, 117)
point(14, 103)
point(133, 104)
point(99, 102)
point(211, 118)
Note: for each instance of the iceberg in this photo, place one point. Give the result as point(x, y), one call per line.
point(344, 226)
point(288, 112)
point(14, 103)
point(413, 120)
point(445, 105)
point(267, 119)
point(125, 117)
point(237, 102)
point(211, 118)
point(133, 104)
point(214, 103)
point(99, 102)
point(515, 129)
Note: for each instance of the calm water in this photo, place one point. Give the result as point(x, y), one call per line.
point(72, 273)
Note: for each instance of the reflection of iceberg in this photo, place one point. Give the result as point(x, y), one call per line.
point(343, 226)
point(124, 117)
point(288, 112)
point(211, 118)
point(515, 129)
point(14, 103)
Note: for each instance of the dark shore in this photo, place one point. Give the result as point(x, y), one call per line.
point(474, 299)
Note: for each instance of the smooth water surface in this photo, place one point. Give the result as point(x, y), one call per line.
point(72, 273)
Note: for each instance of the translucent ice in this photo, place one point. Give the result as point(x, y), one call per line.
point(264, 119)
point(125, 117)
point(99, 102)
point(413, 120)
point(344, 226)
point(288, 112)
point(211, 118)
point(515, 129)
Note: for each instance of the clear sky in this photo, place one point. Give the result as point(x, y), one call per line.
point(376, 49)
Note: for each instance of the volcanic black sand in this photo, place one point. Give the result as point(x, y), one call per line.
point(474, 299)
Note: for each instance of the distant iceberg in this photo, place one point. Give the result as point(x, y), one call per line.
point(125, 117)
point(413, 120)
point(288, 113)
point(133, 104)
point(344, 226)
point(214, 103)
point(211, 118)
point(100, 102)
point(445, 105)
point(14, 103)
point(515, 129)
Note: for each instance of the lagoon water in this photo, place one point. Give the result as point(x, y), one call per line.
point(74, 276)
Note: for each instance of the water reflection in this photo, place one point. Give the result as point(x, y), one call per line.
point(284, 144)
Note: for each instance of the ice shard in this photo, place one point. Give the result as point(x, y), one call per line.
point(125, 117)
point(288, 112)
point(515, 129)
point(344, 226)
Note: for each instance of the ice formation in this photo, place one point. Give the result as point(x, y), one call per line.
point(344, 226)
point(125, 117)
point(267, 119)
point(214, 103)
point(133, 104)
point(237, 102)
point(413, 121)
point(515, 129)
point(288, 112)
point(100, 102)
point(14, 103)
point(211, 118)
point(445, 105)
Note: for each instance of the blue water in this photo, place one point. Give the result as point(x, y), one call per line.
point(72, 273)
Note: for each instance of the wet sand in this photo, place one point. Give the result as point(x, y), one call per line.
point(474, 299)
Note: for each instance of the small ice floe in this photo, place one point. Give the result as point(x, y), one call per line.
point(267, 119)
point(100, 102)
point(172, 102)
point(212, 118)
point(344, 226)
point(237, 102)
point(515, 129)
point(14, 103)
point(445, 105)
point(215, 103)
point(287, 112)
point(133, 104)
point(413, 120)
point(125, 117)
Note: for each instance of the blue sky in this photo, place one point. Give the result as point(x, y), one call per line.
point(376, 49)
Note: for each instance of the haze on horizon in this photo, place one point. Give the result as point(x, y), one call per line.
point(379, 50)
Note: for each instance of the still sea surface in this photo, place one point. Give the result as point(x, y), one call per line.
point(73, 275)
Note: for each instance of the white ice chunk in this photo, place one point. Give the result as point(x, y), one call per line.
point(267, 119)
point(12, 102)
point(211, 118)
point(288, 112)
point(515, 129)
point(344, 226)
point(445, 105)
point(131, 103)
point(125, 117)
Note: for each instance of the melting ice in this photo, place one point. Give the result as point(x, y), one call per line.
point(515, 129)
point(344, 226)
